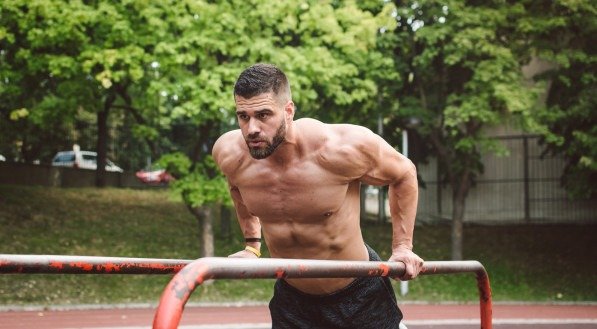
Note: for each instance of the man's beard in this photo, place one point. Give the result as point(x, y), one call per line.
point(262, 153)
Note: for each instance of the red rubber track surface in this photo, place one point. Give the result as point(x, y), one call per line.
point(419, 316)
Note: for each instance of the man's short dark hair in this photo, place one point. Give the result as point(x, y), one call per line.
point(259, 79)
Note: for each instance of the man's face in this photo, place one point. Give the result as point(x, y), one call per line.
point(262, 120)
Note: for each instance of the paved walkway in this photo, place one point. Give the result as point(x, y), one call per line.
point(417, 316)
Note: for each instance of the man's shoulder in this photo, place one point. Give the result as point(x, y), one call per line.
point(334, 132)
point(227, 147)
point(346, 149)
point(228, 140)
point(351, 131)
point(344, 135)
point(230, 136)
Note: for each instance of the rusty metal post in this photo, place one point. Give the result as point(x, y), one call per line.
point(178, 291)
point(483, 284)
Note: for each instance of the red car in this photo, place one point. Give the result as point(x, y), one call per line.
point(158, 176)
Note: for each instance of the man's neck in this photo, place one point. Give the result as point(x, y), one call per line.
point(289, 150)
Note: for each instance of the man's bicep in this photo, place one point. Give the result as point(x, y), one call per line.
point(223, 153)
point(399, 166)
point(388, 166)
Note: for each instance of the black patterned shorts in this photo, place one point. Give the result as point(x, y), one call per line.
point(367, 302)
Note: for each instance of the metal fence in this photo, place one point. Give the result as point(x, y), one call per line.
point(520, 187)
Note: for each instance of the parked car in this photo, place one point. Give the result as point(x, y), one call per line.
point(156, 176)
point(81, 159)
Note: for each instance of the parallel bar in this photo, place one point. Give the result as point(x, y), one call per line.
point(190, 274)
point(179, 289)
point(58, 264)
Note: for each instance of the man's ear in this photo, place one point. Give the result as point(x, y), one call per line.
point(289, 110)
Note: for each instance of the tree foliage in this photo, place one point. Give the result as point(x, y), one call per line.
point(563, 33)
point(64, 61)
point(327, 50)
point(461, 66)
point(171, 66)
point(461, 78)
point(36, 103)
point(155, 78)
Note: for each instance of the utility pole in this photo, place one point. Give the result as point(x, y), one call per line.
point(381, 197)
point(404, 284)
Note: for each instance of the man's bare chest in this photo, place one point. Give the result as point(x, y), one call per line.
point(305, 190)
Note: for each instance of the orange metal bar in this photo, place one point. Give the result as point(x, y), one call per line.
point(195, 272)
point(178, 291)
point(59, 264)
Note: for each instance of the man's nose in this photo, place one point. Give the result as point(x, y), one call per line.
point(254, 128)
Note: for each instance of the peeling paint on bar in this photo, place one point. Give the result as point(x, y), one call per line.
point(58, 264)
point(178, 291)
point(190, 274)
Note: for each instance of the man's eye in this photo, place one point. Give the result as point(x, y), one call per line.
point(243, 116)
point(262, 115)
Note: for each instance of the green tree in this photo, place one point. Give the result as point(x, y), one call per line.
point(171, 66)
point(327, 49)
point(37, 103)
point(461, 77)
point(62, 59)
point(563, 33)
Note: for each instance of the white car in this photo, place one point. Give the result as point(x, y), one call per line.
point(82, 159)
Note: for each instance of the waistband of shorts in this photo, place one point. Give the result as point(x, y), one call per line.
point(338, 294)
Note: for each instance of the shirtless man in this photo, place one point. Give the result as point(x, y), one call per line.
point(298, 183)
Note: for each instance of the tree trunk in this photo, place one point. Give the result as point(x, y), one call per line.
point(225, 223)
point(207, 232)
point(459, 193)
point(204, 215)
point(102, 141)
point(458, 202)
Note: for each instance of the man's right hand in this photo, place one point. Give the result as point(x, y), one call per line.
point(243, 254)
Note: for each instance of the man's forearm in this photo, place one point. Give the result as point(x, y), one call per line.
point(403, 197)
point(249, 224)
point(251, 229)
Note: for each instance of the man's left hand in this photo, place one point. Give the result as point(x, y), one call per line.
point(413, 263)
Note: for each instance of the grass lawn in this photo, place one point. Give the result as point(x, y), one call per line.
point(525, 263)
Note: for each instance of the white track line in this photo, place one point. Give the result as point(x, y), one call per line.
point(500, 321)
point(205, 326)
point(445, 322)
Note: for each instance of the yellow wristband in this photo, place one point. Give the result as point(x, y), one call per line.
point(253, 250)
